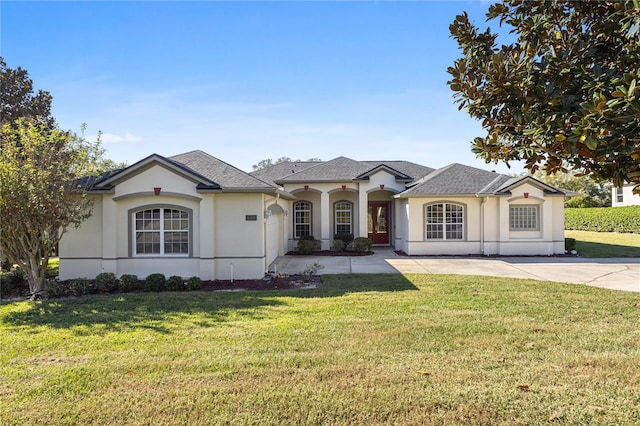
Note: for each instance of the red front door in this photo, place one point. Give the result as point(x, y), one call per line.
point(378, 222)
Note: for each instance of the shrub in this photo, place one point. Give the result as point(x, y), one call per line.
point(604, 219)
point(128, 282)
point(307, 244)
point(155, 282)
point(12, 281)
point(346, 239)
point(362, 244)
point(338, 245)
point(569, 244)
point(106, 282)
point(194, 283)
point(175, 283)
point(54, 288)
point(79, 286)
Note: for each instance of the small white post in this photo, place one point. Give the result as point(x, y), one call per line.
point(231, 272)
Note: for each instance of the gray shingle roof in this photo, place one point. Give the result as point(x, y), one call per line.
point(340, 169)
point(280, 170)
point(224, 174)
point(456, 179)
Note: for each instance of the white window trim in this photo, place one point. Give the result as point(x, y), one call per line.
point(161, 207)
point(335, 217)
point(443, 224)
point(295, 223)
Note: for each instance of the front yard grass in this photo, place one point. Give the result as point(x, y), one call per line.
point(358, 350)
point(605, 244)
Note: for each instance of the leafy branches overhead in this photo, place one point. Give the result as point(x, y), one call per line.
point(566, 94)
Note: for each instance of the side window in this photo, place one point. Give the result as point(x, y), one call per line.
point(444, 221)
point(524, 218)
point(301, 219)
point(161, 232)
point(343, 217)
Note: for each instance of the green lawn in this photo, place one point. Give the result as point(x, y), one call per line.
point(605, 244)
point(359, 350)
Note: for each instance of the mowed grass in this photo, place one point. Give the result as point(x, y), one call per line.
point(359, 350)
point(605, 244)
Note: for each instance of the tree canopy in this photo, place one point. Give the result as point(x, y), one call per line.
point(41, 193)
point(565, 95)
point(17, 97)
point(267, 162)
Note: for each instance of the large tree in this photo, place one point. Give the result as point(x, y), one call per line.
point(18, 100)
point(42, 192)
point(564, 95)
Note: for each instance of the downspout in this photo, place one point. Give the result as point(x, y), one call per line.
point(482, 203)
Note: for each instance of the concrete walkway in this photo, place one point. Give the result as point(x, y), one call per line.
point(611, 273)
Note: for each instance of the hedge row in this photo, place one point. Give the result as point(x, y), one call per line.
point(604, 219)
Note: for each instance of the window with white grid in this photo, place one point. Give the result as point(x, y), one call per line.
point(444, 221)
point(160, 232)
point(523, 218)
point(343, 217)
point(302, 219)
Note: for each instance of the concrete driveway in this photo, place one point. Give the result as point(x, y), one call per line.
point(611, 273)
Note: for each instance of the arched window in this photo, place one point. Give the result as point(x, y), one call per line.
point(343, 217)
point(301, 219)
point(444, 221)
point(161, 232)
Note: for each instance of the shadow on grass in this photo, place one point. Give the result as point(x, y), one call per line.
point(591, 249)
point(158, 311)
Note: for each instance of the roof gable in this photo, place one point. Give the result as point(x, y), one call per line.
point(454, 179)
point(383, 167)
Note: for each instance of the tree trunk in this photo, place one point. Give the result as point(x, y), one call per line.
point(36, 273)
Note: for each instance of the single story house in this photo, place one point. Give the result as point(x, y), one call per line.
point(193, 214)
point(624, 196)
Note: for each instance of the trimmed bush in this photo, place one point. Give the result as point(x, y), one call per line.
point(54, 288)
point(346, 239)
point(569, 244)
point(79, 286)
point(194, 283)
point(307, 244)
point(14, 280)
point(127, 282)
point(175, 283)
point(155, 282)
point(106, 282)
point(338, 245)
point(362, 244)
point(604, 219)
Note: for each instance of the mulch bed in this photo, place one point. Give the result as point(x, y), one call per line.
point(331, 253)
point(278, 283)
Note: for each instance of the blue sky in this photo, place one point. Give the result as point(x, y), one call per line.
point(245, 81)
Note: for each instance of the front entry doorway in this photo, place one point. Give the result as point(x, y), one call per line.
point(378, 219)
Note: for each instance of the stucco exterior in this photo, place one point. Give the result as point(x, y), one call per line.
point(624, 196)
point(194, 215)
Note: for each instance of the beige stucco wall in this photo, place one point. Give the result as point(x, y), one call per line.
point(220, 233)
point(487, 227)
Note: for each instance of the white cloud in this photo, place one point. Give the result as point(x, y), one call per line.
point(127, 137)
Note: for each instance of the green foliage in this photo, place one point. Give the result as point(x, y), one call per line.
point(40, 195)
point(307, 244)
point(54, 288)
point(337, 245)
point(12, 281)
point(565, 93)
point(175, 283)
point(569, 244)
point(79, 286)
point(194, 284)
point(106, 282)
point(17, 97)
point(347, 239)
point(362, 244)
point(155, 282)
point(609, 219)
point(127, 282)
point(592, 193)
